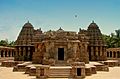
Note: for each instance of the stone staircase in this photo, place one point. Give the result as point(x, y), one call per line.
point(60, 72)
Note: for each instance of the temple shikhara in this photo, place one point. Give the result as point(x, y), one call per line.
point(60, 53)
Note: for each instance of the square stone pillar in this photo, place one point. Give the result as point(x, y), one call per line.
point(96, 49)
point(19, 51)
point(0, 53)
point(28, 51)
point(78, 70)
point(24, 51)
point(7, 53)
point(104, 52)
point(112, 54)
point(115, 54)
point(42, 71)
point(101, 51)
point(92, 52)
point(11, 53)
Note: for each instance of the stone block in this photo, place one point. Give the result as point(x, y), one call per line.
point(93, 69)
point(88, 71)
point(21, 67)
point(32, 71)
point(27, 71)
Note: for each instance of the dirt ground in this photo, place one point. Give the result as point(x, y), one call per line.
point(6, 73)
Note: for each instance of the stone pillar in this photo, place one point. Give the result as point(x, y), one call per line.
point(92, 52)
point(86, 54)
point(75, 73)
point(42, 72)
point(3, 53)
point(19, 51)
point(115, 54)
point(10, 53)
point(24, 51)
point(46, 73)
point(96, 48)
point(101, 51)
point(36, 46)
point(6, 53)
point(104, 51)
point(28, 51)
point(0, 53)
point(75, 48)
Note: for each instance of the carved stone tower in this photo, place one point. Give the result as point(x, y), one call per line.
point(23, 43)
point(97, 46)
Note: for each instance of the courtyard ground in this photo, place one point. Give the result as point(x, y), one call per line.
point(6, 73)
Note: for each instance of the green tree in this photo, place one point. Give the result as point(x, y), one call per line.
point(6, 43)
point(117, 38)
point(113, 40)
point(12, 43)
point(109, 40)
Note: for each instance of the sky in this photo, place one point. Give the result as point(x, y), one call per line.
point(53, 14)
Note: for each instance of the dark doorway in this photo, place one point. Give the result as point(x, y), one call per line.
point(78, 71)
point(41, 72)
point(5, 53)
point(60, 53)
point(2, 53)
point(9, 53)
point(89, 50)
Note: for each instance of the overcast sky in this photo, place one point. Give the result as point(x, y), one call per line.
point(52, 14)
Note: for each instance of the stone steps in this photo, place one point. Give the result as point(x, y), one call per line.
point(59, 72)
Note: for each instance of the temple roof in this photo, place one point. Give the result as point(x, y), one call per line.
point(93, 25)
point(28, 24)
point(60, 30)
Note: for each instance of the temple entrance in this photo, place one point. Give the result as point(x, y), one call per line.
point(60, 53)
point(78, 71)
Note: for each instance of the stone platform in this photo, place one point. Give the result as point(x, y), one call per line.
point(9, 63)
point(100, 66)
point(111, 63)
point(21, 67)
point(76, 70)
point(90, 69)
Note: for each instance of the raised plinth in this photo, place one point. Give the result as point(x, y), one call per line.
point(9, 63)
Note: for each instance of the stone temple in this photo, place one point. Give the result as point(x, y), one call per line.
point(60, 53)
point(60, 47)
